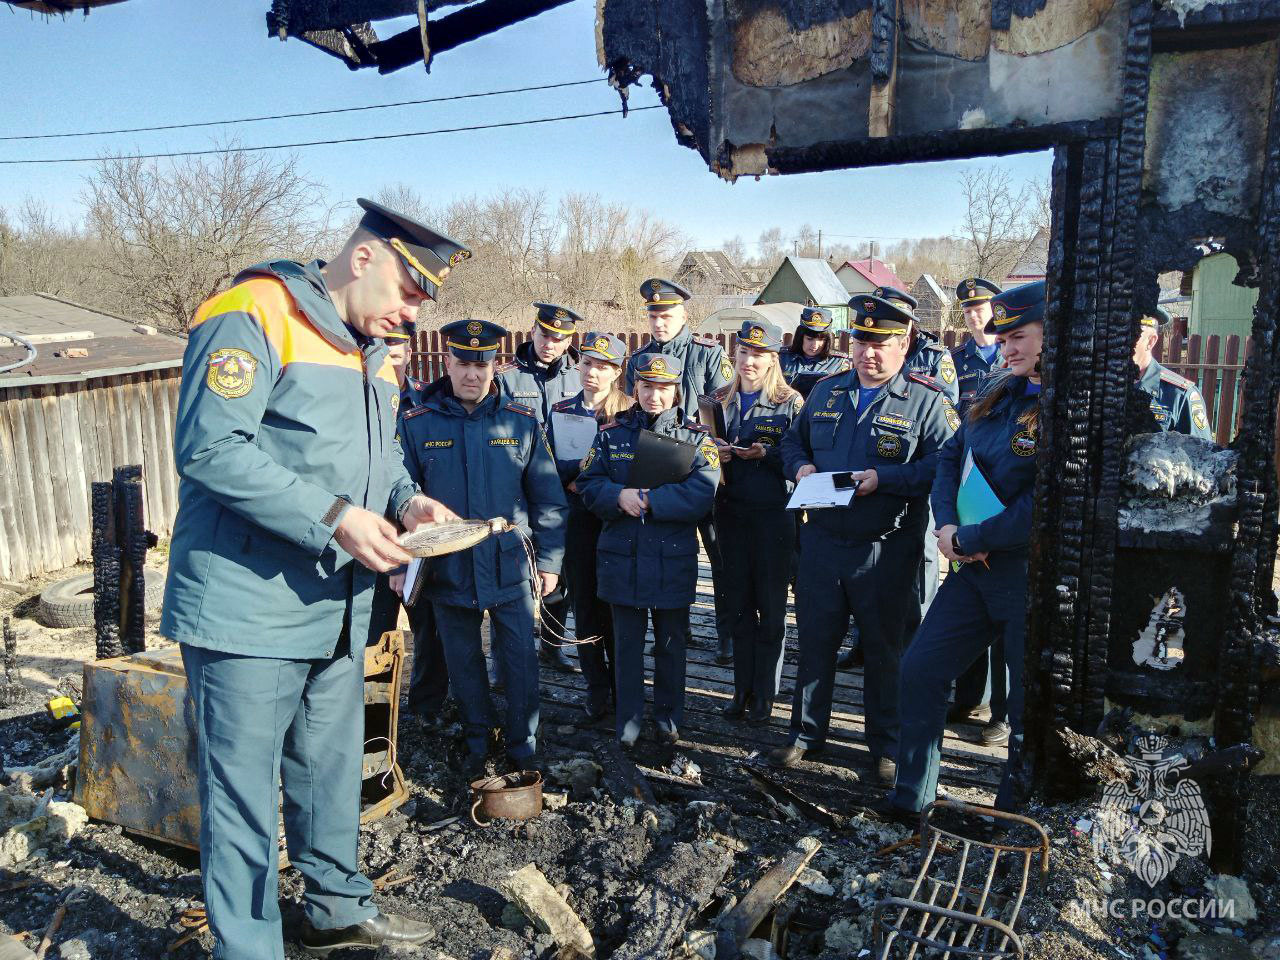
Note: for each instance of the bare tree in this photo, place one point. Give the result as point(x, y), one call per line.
point(769, 250)
point(175, 233)
point(39, 255)
point(1000, 222)
point(735, 250)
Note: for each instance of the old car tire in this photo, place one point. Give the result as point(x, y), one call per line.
point(69, 603)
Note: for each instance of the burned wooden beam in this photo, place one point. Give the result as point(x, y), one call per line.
point(785, 795)
point(737, 924)
point(471, 23)
point(675, 889)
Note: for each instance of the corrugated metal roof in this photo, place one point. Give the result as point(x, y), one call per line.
point(819, 279)
point(112, 344)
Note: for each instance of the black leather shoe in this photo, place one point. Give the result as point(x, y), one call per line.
point(628, 744)
point(557, 659)
point(384, 929)
point(886, 771)
point(525, 764)
point(850, 658)
point(886, 809)
point(595, 712)
point(791, 754)
point(735, 709)
point(667, 736)
point(996, 733)
point(724, 656)
point(761, 712)
point(959, 714)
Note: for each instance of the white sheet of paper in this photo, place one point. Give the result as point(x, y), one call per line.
point(817, 491)
point(573, 435)
point(411, 577)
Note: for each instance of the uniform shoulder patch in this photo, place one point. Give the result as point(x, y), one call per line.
point(519, 408)
point(928, 381)
point(231, 372)
point(697, 427)
point(414, 412)
point(562, 405)
point(705, 340)
point(839, 354)
point(1168, 376)
point(721, 395)
point(506, 367)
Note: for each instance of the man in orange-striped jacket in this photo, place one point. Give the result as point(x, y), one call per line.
point(291, 483)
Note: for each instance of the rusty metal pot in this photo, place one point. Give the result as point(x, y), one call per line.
point(513, 796)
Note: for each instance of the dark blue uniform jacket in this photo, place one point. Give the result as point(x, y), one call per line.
point(1175, 401)
point(898, 434)
point(928, 356)
point(706, 368)
point(1006, 451)
point(650, 561)
point(973, 371)
point(531, 382)
point(757, 483)
point(492, 462)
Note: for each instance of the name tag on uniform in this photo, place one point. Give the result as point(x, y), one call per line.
point(826, 414)
point(516, 393)
point(621, 455)
point(894, 422)
point(503, 442)
point(438, 443)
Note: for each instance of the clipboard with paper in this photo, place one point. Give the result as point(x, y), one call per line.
point(976, 499)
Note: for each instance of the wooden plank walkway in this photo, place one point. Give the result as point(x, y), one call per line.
point(966, 762)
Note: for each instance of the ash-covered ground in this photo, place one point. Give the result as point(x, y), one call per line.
point(125, 895)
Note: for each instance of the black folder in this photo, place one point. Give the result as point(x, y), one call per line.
point(659, 460)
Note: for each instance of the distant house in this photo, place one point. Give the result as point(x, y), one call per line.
point(1034, 264)
point(863, 276)
point(808, 281)
point(101, 393)
point(710, 273)
point(935, 302)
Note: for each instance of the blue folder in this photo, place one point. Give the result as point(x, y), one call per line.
point(976, 500)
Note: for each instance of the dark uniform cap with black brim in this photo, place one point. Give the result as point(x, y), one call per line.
point(422, 250)
point(816, 319)
point(557, 319)
point(658, 367)
point(975, 290)
point(660, 294)
point(877, 319)
point(604, 346)
point(1156, 319)
point(894, 294)
point(760, 335)
point(1016, 307)
point(475, 341)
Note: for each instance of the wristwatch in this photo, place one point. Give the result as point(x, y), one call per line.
point(955, 545)
point(404, 507)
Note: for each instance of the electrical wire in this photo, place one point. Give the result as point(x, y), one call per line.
point(306, 113)
point(320, 143)
point(30, 357)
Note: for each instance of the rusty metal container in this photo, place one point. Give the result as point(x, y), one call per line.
point(512, 796)
point(138, 742)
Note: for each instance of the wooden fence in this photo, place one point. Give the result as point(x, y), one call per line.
point(56, 439)
point(1214, 363)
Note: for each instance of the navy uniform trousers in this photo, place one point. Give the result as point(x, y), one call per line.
point(299, 724)
point(591, 615)
point(757, 550)
point(974, 605)
point(512, 644)
point(875, 583)
point(670, 636)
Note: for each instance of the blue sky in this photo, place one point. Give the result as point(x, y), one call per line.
point(164, 61)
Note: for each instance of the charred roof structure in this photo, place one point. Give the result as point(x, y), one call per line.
point(1163, 121)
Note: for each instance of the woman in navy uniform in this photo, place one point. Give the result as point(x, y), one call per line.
point(986, 597)
point(647, 556)
point(810, 357)
point(600, 365)
point(758, 536)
